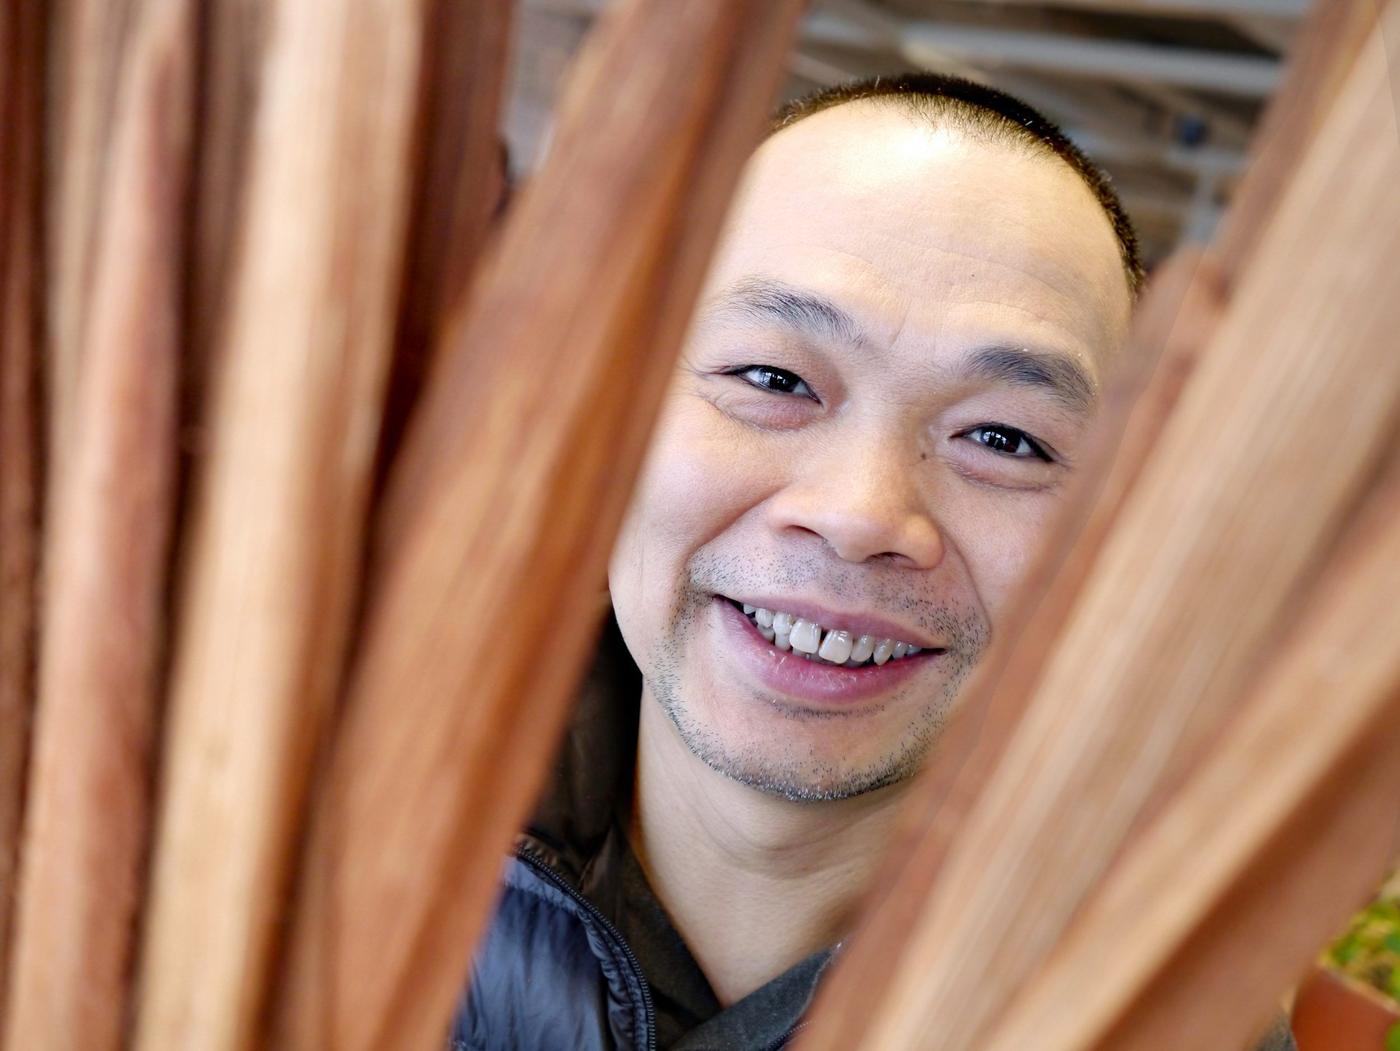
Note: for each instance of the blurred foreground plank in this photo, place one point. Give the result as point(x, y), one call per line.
point(86, 51)
point(513, 481)
point(1169, 607)
point(106, 559)
point(1284, 829)
point(459, 189)
point(21, 147)
point(271, 565)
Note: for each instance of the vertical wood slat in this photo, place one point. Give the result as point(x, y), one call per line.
point(229, 51)
point(1327, 45)
point(1286, 826)
point(458, 190)
point(106, 558)
point(21, 133)
point(858, 987)
point(518, 471)
point(296, 393)
point(87, 48)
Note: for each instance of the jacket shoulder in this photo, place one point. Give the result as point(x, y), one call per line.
point(550, 974)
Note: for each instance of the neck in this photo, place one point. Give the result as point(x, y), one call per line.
point(754, 883)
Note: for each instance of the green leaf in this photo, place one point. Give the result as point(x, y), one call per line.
point(1392, 1038)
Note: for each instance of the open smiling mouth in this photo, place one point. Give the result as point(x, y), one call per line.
point(833, 646)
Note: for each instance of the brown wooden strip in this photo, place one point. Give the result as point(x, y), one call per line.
point(21, 132)
point(459, 189)
point(522, 462)
point(1188, 585)
point(106, 553)
point(231, 47)
point(278, 503)
point(87, 50)
point(1287, 826)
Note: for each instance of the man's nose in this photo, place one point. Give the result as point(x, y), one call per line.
point(864, 506)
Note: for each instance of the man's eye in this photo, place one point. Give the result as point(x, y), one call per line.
point(1008, 441)
point(779, 381)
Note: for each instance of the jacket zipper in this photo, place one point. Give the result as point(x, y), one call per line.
point(542, 867)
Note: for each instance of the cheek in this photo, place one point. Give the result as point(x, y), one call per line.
point(999, 536)
point(696, 482)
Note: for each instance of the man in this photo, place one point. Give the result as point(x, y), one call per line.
point(877, 412)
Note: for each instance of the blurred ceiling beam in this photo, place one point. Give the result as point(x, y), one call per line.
point(936, 44)
point(1272, 32)
point(1087, 105)
point(1202, 161)
point(1224, 125)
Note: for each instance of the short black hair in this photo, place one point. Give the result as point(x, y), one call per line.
point(988, 114)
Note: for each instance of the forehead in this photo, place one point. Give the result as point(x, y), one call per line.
point(928, 234)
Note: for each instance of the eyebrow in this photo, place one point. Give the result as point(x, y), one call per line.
point(1057, 374)
point(766, 301)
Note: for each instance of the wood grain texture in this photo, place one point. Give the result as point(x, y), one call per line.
point(21, 475)
point(1327, 45)
point(106, 558)
point(86, 50)
point(567, 348)
point(1021, 812)
point(231, 39)
point(1284, 828)
point(459, 189)
point(279, 502)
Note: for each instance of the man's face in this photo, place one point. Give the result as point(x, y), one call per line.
point(877, 411)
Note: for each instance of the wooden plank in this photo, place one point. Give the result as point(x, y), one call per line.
point(1328, 43)
point(983, 921)
point(21, 131)
point(560, 369)
point(278, 503)
point(107, 552)
point(1286, 826)
point(459, 189)
point(89, 40)
point(231, 38)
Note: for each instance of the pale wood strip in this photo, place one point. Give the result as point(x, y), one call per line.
point(21, 476)
point(521, 461)
point(1216, 528)
point(278, 503)
point(106, 555)
point(1326, 46)
point(1287, 825)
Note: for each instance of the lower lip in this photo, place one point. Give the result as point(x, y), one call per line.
point(793, 675)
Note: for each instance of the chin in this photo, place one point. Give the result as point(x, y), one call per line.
point(800, 757)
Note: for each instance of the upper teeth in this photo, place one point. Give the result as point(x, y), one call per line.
point(833, 646)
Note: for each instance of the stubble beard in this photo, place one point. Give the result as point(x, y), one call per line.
point(810, 777)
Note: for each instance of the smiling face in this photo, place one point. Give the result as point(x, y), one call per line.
point(877, 412)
